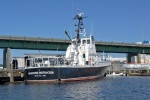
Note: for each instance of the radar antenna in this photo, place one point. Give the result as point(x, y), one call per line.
point(80, 26)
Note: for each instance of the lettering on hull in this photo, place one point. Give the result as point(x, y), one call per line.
point(40, 72)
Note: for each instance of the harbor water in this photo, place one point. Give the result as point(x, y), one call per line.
point(107, 88)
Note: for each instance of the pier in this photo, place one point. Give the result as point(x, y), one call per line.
point(11, 76)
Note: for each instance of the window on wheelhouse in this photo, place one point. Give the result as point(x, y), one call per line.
point(88, 41)
point(83, 41)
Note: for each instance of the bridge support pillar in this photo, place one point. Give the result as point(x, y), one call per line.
point(8, 59)
point(138, 58)
point(129, 57)
point(4, 58)
point(6, 63)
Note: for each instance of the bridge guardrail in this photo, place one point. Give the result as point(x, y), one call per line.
point(39, 39)
point(121, 43)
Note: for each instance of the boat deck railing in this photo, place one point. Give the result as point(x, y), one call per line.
point(44, 62)
point(57, 61)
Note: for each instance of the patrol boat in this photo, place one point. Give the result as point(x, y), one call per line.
point(81, 62)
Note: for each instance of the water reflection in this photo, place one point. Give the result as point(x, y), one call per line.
point(122, 88)
point(63, 91)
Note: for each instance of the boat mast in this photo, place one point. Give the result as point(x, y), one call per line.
point(80, 26)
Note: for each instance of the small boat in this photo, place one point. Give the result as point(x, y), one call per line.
point(81, 61)
point(114, 74)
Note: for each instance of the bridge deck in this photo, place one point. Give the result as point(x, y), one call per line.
point(15, 42)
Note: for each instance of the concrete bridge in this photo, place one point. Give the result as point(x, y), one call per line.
point(13, 42)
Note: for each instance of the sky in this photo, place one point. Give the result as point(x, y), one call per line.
point(112, 20)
